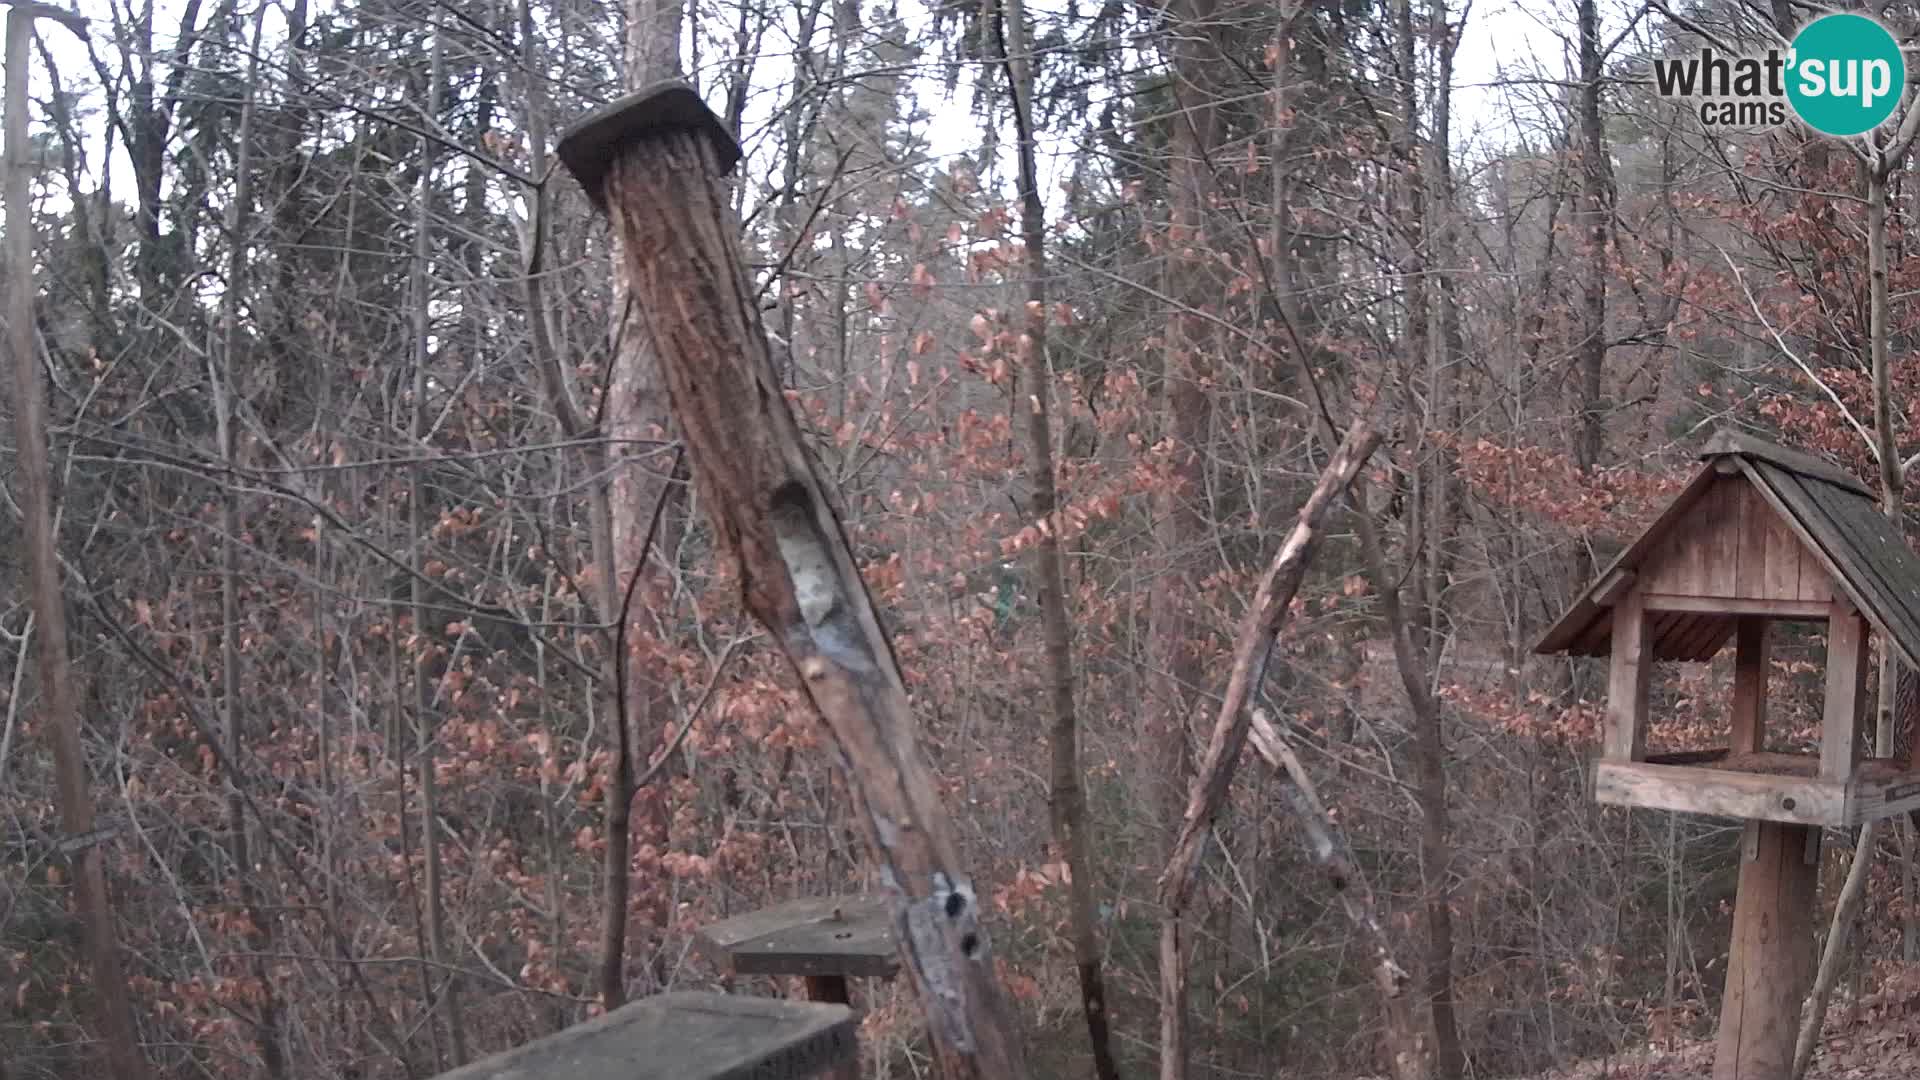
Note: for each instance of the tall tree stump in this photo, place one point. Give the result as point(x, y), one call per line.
point(1770, 961)
point(655, 162)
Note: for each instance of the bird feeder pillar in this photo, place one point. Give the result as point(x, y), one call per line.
point(1770, 962)
point(1846, 692)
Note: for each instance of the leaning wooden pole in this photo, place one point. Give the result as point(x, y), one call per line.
point(59, 716)
point(655, 162)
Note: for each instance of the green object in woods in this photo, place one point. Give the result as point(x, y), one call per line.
point(1003, 597)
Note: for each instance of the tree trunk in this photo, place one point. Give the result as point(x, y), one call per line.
point(1430, 792)
point(423, 705)
point(1069, 799)
point(1173, 658)
point(1253, 645)
point(638, 482)
point(1846, 908)
point(53, 666)
point(259, 933)
point(1591, 352)
point(1442, 336)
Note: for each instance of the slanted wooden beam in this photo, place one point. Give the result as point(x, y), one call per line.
point(1629, 669)
point(1613, 587)
point(1749, 685)
point(1846, 692)
point(686, 1036)
point(657, 166)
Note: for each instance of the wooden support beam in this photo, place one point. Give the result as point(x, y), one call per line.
point(1613, 587)
point(1721, 792)
point(656, 160)
point(1846, 692)
point(1770, 960)
point(1629, 670)
point(1810, 610)
point(1749, 685)
point(686, 1036)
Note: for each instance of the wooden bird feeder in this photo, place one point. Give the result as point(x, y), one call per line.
point(1761, 534)
point(825, 941)
point(685, 1036)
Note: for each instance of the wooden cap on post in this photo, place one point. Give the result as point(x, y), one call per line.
point(588, 145)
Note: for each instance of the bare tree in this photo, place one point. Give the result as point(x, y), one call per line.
point(54, 666)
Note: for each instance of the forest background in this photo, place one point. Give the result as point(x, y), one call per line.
point(373, 529)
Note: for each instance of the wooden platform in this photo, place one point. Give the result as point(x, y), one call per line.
point(833, 935)
point(685, 1036)
point(1764, 786)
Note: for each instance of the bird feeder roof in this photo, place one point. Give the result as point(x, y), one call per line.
point(1834, 517)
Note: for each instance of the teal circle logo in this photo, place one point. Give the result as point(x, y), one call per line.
point(1846, 74)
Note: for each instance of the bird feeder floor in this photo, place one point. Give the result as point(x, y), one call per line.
point(1780, 787)
point(822, 936)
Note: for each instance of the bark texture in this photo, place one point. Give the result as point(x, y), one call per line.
point(771, 516)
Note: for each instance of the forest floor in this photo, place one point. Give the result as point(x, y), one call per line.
point(1876, 1038)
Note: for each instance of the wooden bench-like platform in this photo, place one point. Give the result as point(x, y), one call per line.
point(1759, 786)
point(829, 936)
point(685, 1036)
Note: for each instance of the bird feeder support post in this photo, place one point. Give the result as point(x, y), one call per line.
point(1770, 960)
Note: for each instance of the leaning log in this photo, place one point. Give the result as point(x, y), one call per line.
point(655, 162)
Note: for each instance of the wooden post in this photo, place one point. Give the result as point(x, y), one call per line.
point(1846, 692)
point(832, 990)
point(655, 161)
point(1749, 685)
point(1770, 960)
point(1628, 672)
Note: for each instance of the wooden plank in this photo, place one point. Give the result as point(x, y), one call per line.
point(1874, 798)
point(1784, 550)
point(1770, 961)
point(1815, 586)
point(1612, 587)
point(1749, 686)
point(824, 936)
point(1816, 534)
point(1846, 697)
point(1687, 547)
point(590, 144)
point(1720, 539)
point(1687, 757)
point(1720, 793)
point(1727, 441)
point(685, 1036)
point(1778, 609)
point(1750, 522)
point(1628, 672)
point(1706, 638)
